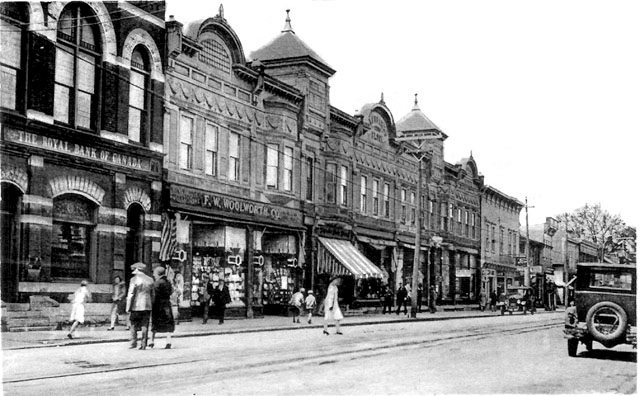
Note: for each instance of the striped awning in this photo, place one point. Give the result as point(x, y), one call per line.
point(339, 257)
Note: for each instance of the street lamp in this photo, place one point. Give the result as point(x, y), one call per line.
point(420, 152)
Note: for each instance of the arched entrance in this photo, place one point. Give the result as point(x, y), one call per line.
point(135, 243)
point(10, 203)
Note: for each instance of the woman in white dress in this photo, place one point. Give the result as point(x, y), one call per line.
point(80, 297)
point(331, 308)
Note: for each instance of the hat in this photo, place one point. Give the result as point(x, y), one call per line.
point(83, 283)
point(138, 266)
point(310, 292)
point(159, 271)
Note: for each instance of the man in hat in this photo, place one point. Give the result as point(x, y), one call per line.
point(139, 304)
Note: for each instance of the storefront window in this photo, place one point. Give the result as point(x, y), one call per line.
point(73, 223)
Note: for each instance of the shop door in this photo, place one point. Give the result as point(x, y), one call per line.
point(9, 242)
point(134, 248)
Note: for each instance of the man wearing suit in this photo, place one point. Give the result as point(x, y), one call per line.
point(139, 303)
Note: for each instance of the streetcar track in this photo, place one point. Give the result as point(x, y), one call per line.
point(332, 356)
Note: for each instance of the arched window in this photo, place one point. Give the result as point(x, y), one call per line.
point(139, 95)
point(77, 57)
point(13, 18)
point(215, 54)
point(72, 239)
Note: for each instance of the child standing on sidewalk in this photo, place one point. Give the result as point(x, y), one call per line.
point(310, 305)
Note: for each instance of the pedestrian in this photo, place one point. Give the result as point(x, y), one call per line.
point(401, 299)
point(220, 297)
point(139, 304)
point(483, 300)
point(433, 295)
point(161, 313)
point(571, 316)
point(295, 304)
point(117, 299)
point(332, 307)
point(388, 300)
point(207, 294)
point(81, 296)
point(493, 300)
point(419, 304)
point(310, 305)
point(176, 298)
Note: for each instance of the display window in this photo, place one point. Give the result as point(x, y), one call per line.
point(276, 270)
point(73, 223)
point(217, 265)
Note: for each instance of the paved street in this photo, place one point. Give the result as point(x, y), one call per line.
point(511, 354)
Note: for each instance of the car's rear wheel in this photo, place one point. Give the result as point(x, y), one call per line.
point(572, 347)
point(606, 321)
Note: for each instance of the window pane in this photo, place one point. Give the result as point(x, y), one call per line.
point(61, 103)
point(10, 48)
point(83, 117)
point(186, 125)
point(136, 90)
point(233, 145)
point(134, 124)
point(272, 155)
point(64, 67)
point(8, 87)
point(86, 73)
point(211, 138)
point(288, 158)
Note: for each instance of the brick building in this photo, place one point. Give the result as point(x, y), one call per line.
point(81, 149)
point(500, 240)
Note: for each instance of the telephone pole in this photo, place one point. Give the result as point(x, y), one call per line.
point(527, 248)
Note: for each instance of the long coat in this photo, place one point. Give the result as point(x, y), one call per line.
point(331, 306)
point(140, 295)
point(161, 315)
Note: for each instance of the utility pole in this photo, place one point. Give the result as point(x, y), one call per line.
point(527, 249)
point(420, 152)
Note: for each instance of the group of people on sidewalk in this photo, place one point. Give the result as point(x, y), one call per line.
point(148, 303)
point(403, 299)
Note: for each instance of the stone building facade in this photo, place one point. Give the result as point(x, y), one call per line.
point(82, 145)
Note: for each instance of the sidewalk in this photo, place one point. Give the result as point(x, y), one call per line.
point(99, 334)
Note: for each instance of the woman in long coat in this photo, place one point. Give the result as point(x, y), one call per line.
point(161, 313)
point(331, 307)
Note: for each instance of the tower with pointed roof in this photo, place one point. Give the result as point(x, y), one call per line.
point(417, 122)
point(292, 61)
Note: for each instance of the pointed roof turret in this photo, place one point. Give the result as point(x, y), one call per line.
point(288, 49)
point(416, 121)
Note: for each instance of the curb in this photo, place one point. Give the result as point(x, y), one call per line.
point(205, 333)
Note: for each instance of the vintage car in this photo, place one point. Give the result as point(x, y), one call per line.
point(605, 306)
point(516, 300)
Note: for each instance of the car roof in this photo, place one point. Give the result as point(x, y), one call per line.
point(607, 265)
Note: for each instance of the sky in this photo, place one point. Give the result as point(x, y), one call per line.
point(544, 94)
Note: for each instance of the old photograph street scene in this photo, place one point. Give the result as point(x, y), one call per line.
point(254, 197)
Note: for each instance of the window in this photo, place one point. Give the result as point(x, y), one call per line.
point(432, 216)
point(375, 191)
point(73, 224)
point(211, 150)
point(403, 199)
point(331, 183)
point(363, 194)
point(385, 197)
point(451, 211)
point(272, 165)
point(288, 169)
point(343, 185)
point(186, 143)
point(413, 208)
point(309, 179)
point(466, 223)
point(501, 240)
point(317, 95)
point(215, 54)
point(493, 239)
point(75, 72)
point(138, 101)
point(234, 156)
point(611, 280)
point(488, 238)
point(443, 217)
point(473, 225)
point(10, 59)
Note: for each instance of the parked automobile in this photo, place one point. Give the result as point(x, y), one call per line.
point(517, 300)
point(605, 307)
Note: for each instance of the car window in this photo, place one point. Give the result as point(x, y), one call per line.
point(608, 280)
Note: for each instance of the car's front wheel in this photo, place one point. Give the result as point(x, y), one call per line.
point(606, 322)
point(572, 346)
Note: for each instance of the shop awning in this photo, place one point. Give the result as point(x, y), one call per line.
point(339, 257)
